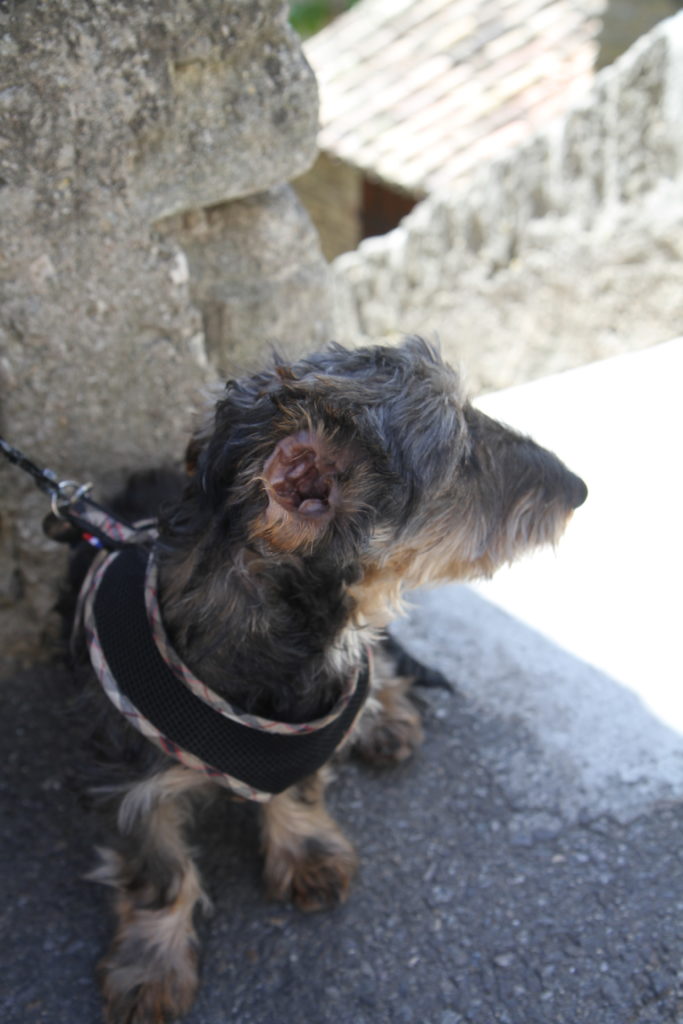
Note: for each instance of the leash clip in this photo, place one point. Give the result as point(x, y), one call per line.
point(67, 492)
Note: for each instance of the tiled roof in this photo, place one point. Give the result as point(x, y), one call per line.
point(417, 92)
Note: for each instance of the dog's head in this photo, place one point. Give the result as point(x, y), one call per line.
point(373, 461)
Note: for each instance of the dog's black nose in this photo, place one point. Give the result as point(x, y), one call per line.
point(578, 492)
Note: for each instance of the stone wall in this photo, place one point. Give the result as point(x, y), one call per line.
point(256, 273)
point(568, 250)
point(147, 240)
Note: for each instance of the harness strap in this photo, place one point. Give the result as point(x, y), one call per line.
point(103, 529)
point(253, 757)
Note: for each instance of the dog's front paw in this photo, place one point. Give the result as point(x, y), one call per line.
point(149, 975)
point(315, 875)
point(147, 993)
point(391, 733)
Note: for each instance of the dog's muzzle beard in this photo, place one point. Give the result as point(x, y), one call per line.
point(149, 684)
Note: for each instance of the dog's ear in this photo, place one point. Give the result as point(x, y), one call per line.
point(302, 479)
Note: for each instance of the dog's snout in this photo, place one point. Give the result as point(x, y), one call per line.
point(578, 492)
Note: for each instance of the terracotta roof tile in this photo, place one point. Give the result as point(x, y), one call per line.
point(417, 91)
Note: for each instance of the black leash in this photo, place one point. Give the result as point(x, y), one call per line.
point(45, 479)
point(75, 516)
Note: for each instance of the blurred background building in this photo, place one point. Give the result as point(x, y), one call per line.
point(415, 94)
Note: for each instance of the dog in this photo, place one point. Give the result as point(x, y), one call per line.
point(317, 492)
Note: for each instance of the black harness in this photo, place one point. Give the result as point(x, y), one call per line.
point(255, 757)
point(145, 679)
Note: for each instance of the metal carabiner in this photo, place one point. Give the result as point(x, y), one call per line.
point(67, 492)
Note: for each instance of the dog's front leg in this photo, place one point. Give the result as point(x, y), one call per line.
point(307, 857)
point(390, 729)
point(150, 972)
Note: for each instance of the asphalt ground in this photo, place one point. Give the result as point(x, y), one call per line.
point(472, 904)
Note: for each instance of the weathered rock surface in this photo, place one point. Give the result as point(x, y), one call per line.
point(115, 120)
point(255, 272)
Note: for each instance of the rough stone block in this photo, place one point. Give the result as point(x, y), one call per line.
point(257, 274)
point(644, 148)
point(112, 116)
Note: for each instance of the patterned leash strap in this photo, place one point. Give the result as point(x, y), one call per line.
point(44, 479)
point(75, 515)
